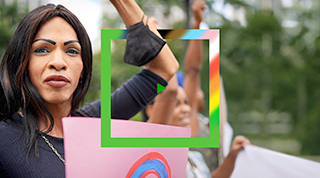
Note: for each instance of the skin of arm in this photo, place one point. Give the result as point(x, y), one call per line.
point(165, 64)
point(165, 103)
point(193, 62)
point(226, 168)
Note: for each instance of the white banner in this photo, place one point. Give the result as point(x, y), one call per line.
point(253, 162)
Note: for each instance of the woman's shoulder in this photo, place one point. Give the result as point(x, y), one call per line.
point(92, 109)
point(10, 141)
point(5, 126)
point(10, 129)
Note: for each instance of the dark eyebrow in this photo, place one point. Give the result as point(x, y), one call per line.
point(46, 40)
point(71, 41)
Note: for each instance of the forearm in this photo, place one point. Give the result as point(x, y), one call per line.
point(194, 122)
point(129, 11)
point(196, 24)
point(165, 65)
point(165, 103)
point(225, 169)
point(194, 56)
point(193, 63)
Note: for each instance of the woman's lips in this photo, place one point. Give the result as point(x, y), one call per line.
point(185, 121)
point(56, 81)
point(57, 84)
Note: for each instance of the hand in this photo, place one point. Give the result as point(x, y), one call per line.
point(198, 7)
point(227, 166)
point(238, 143)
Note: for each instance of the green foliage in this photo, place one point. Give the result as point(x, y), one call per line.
point(311, 133)
point(10, 16)
point(237, 3)
point(94, 92)
point(268, 67)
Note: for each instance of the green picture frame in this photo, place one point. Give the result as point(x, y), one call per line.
point(212, 141)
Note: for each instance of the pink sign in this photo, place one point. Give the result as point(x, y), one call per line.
point(85, 158)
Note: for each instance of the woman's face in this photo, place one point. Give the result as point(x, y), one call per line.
point(181, 112)
point(55, 64)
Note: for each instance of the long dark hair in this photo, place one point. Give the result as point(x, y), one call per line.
point(17, 92)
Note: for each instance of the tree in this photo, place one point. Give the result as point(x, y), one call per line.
point(269, 66)
point(10, 16)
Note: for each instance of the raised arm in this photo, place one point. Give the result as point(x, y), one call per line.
point(164, 104)
point(165, 65)
point(193, 62)
point(193, 57)
point(226, 168)
point(140, 89)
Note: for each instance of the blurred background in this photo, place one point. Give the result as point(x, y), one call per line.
point(270, 60)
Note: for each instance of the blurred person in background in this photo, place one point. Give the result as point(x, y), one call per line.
point(172, 107)
point(179, 106)
point(190, 81)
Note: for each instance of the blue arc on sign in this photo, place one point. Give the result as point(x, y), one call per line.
point(151, 164)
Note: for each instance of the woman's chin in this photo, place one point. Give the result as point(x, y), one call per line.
point(57, 100)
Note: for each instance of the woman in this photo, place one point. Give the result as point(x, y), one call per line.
point(45, 74)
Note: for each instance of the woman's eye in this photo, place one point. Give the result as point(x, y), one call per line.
point(72, 51)
point(41, 50)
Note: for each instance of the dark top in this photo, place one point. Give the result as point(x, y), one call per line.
point(126, 101)
point(129, 99)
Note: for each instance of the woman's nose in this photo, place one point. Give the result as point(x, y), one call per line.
point(57, 62)
point(186, 108)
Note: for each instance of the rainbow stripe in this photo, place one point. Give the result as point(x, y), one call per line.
point(151, 163)
point(214, 75)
